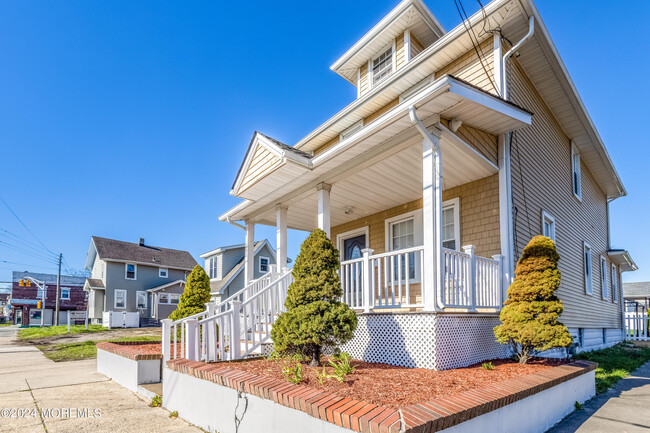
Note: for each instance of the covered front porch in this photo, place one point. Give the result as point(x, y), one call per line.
point(412, 200)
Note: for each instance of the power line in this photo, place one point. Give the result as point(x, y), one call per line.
point(477, 44)
point(26, 252)
point(26, 228)
point(36, 249)
point(27, 264)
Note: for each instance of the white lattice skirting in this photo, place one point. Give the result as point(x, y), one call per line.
point(425, 340)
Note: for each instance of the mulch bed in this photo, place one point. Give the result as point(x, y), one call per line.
point(394, 387)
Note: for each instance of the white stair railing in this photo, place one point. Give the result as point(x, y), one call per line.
point(247, 292)
point(221, 332)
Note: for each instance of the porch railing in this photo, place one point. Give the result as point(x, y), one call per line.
point(234, 333)
point(394, 280)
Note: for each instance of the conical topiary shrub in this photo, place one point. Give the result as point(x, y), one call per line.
point(315, 317)
point(530, 315)
point(195, 295)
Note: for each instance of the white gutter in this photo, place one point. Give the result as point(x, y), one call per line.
point(437, 207)
point(229, 221)
point(511, 51)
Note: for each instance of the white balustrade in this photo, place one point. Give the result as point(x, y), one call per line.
point(393, 280)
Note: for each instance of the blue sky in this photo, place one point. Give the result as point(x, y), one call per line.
point(130, 119)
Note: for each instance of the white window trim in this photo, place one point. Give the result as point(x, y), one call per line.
point(455, 203)
point(371, 78)
point(418, 236)
point(341, 238)
point(166, 272)
point(604, 290)
point(576, 169)
point(547, 217)
point(135, 269)
point(268, 264)
point(66, 289)
point(589, 285)
point(614, 283)
point(146, 302)
point(350, 131)
point(115, 299)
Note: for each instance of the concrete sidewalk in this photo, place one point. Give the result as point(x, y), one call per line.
point(623, 409)
point(42, 390)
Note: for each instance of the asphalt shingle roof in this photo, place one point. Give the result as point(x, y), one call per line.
point(636, 289)
point(127, 251)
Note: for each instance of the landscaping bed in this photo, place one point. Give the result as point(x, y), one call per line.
point(391, 386)
point(87, 349)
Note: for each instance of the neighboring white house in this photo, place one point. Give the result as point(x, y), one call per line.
point(225, 267)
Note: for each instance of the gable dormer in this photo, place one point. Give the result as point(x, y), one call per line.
point(405, 32)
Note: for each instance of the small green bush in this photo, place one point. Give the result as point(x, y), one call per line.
point(578, 406)
point(156, 401)
point(487, 366)
point(293, 374)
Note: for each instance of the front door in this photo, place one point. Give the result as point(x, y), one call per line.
point(352, 247)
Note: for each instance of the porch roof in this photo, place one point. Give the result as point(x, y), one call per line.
point(446, 96)
point(380, 166)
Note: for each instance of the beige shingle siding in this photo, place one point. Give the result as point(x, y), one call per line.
point(400, 52)
point(479, 217)
point(364, 83)
point(262, 163)
point(542, 180)
point(468, 67)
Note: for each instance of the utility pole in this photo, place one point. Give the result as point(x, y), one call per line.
point(58, 293)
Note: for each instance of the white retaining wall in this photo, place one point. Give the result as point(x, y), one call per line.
point(534, 414)
point(425, 340)
point(215, 408)
point(127, 372)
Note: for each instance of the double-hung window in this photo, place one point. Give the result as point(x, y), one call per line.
point(141, 299)
point(163, 272)
point(382, 65)
point(548, 226)
point(603, 277)
point(120, 298)
point(402, 237)
point(130, 271)
point(451, 224)
point(575, 171)
point(614, 283)
point(65, 293)
point(264, 264)
point(174, 298)
point(587, 268)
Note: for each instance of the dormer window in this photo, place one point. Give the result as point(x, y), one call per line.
point(382, 66)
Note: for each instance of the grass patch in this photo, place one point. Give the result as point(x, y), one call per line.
point(53, 331)
point(615, 363)
point(85, 349)
point(5, 324)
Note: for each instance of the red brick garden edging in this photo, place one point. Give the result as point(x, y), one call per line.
point(364, 417)
point(134, 350)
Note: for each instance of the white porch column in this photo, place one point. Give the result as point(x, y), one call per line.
point(249, 253)
point(281, 232)
point(431, 219)
point(505, 210)
point(324, 207)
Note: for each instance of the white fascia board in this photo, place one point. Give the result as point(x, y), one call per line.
point(92, 251)
point(421, 58)
point(623, 260)
point(576, 100)
point(164, 286)
point(384, 24)
point(241, 206)
point(487, 100)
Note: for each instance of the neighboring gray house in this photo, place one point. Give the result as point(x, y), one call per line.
point(134, 277)
point(636, 295)
point(225, 266)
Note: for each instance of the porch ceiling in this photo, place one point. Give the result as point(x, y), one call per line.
point(388, 180)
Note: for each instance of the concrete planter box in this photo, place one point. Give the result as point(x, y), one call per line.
point(123, 364)
point(217, 396)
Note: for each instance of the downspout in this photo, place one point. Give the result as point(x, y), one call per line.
point(229, 221)
point(511, 51)
point(437, 232)
point(505, 141)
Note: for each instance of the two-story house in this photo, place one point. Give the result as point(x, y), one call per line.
point(461, 146)
point(225, 267)
point(135, 278)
